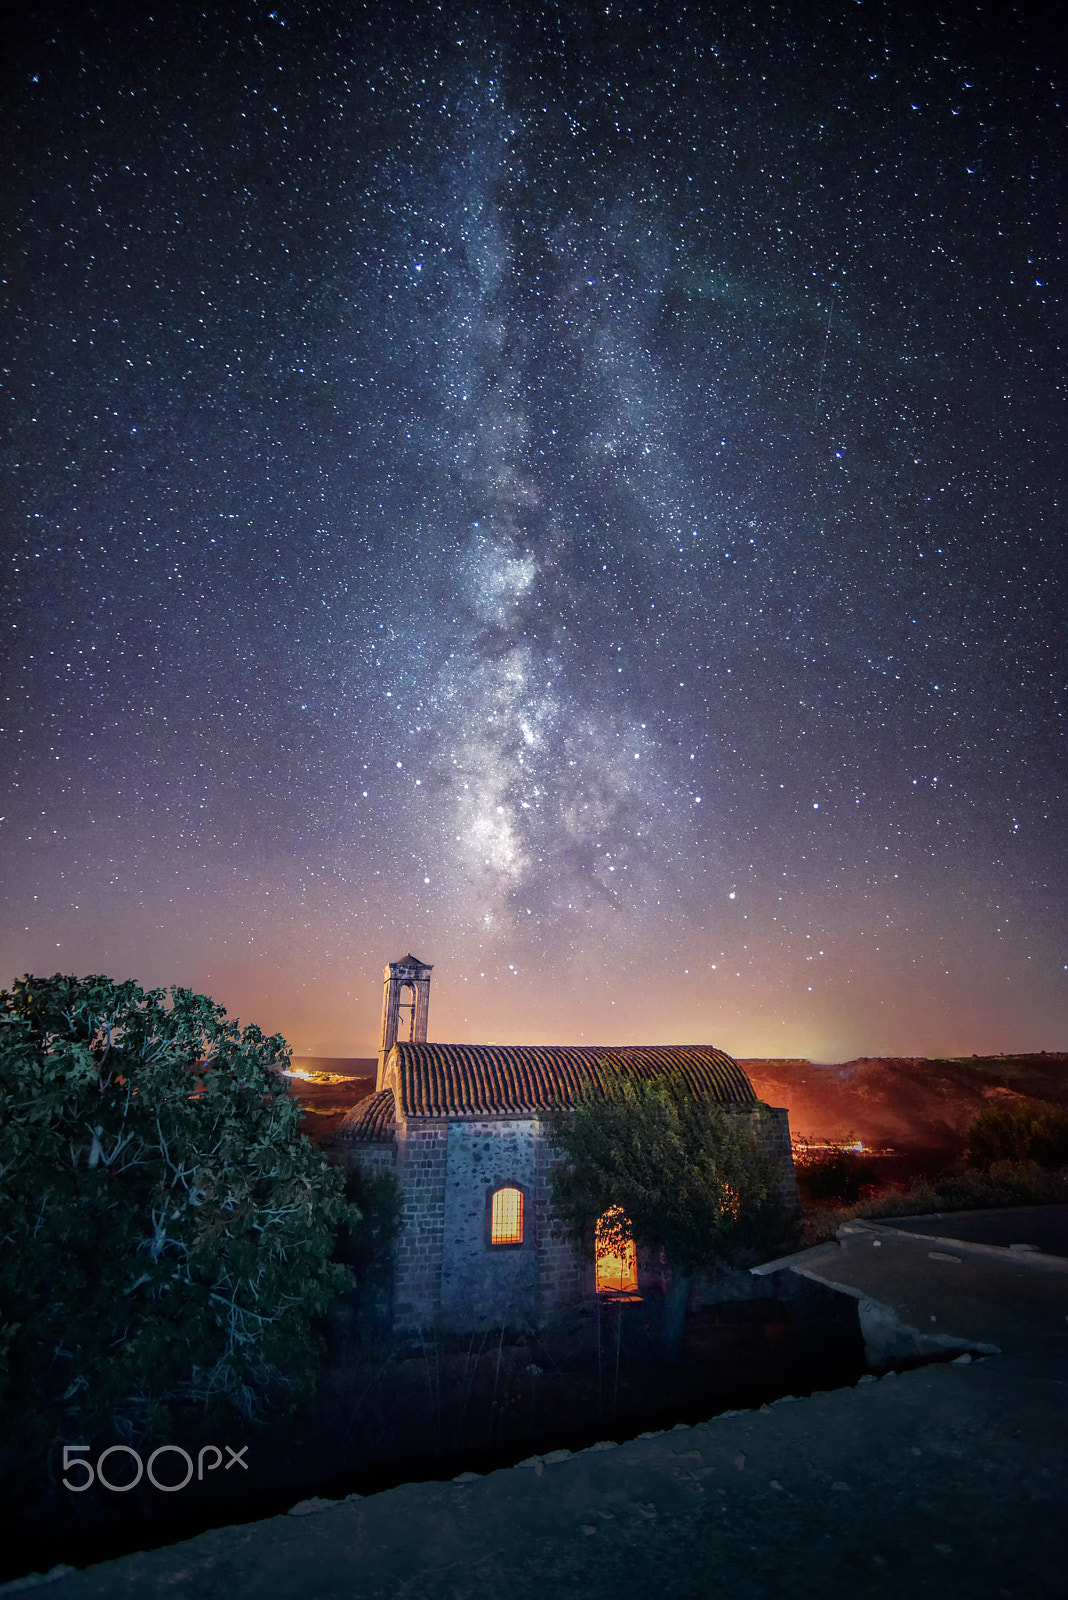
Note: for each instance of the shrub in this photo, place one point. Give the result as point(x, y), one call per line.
point(366, 1245)
point(166, 1231)
point(657, 1164)
point(835, 1174)
point(1019, 1130)
point(366, 1240)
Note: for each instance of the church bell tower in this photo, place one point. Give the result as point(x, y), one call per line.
point(405, 1003)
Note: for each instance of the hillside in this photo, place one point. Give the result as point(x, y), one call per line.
point(348, 1080)
point(903, 1101)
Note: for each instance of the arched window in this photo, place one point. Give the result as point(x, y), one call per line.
point(506, 1217)
point(617, 1262)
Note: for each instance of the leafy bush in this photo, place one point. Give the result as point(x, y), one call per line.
point(366, 1245)
point(1019, 1130)
point(166, 1231)
point(365, 1241)
point(835, 1174)
point(658, 1164)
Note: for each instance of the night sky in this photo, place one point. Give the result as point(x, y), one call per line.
point(575, 492)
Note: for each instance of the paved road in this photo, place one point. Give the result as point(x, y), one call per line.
point(925, 1282)
point(1044, 1227)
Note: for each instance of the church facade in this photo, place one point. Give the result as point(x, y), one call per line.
point(463, 1129)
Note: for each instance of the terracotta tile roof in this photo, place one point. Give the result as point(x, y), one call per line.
point(466, 1080)
point(373, 1120)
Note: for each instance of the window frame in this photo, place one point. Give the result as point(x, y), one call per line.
point(524, 1199)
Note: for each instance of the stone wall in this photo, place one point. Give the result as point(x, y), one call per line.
point(422, 1146)
point(775, 1142)
point(370, 1157)
point(565, 1276)
point(447, 1272)
point(484, 1285)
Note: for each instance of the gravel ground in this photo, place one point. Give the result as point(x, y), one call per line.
point(944, 1481)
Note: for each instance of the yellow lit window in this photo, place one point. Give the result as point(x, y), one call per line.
point(506, 1226)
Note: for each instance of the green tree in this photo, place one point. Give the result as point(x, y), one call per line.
point(166, 1231)
point(661, 1167)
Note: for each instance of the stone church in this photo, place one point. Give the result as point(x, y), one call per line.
point(462, 1128)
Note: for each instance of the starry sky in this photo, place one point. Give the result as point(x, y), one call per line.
point(572, 491)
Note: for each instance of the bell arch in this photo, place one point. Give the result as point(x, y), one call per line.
point(405, 998)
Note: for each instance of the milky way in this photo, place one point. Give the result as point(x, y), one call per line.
point(574, 492)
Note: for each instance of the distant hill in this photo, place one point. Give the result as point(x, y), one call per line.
point(903, 1100)
point(348, 1066)
point(324, 1104)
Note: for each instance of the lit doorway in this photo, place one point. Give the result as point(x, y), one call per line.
point(616, 1260)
